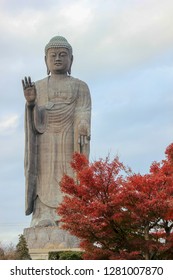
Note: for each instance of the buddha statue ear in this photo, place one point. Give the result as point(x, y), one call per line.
point(69, 70)
point(48, 71)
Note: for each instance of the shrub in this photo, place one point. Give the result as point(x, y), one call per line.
point(65, 255)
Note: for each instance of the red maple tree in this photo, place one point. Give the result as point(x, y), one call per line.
point(117, 214)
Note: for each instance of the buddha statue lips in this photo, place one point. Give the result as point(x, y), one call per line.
point(57, 124)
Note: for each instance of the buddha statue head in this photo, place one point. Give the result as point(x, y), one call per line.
point(58, 56)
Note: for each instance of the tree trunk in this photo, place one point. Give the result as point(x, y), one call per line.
point(146, 236)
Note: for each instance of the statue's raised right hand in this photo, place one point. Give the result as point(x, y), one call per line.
point(29, 90)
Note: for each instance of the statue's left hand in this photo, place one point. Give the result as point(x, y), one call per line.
point(83, 133)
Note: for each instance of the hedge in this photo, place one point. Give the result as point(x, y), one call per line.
point(65, 255)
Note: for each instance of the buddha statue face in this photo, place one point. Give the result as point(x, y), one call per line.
point(58, 56)
point(58, 60)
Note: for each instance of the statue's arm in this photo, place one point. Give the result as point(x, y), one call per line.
point(82, 129)
point(29, 91)
point(38, 116)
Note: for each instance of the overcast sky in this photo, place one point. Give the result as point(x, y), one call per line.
point(123, 50)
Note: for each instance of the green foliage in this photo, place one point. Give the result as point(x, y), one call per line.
point(22, 251)
point(70, 256)
point(65, 255)
point(53, 256)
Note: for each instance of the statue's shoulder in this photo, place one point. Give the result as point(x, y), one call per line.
point(42, 82)
point(80, 84)
point(41, 89)
point(77, 81)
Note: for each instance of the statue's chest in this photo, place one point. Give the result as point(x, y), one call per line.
point(54, 92)
point(61, 92)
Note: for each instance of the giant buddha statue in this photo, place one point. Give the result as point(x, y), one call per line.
point(57, 124)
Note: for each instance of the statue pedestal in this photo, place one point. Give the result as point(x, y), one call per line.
point(42, 240)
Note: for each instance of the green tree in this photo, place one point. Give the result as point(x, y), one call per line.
point(22, 251)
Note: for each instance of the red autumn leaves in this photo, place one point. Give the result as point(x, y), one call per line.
point(118, 214)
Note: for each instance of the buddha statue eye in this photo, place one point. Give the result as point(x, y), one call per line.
point(63, 54)
point(52, 54)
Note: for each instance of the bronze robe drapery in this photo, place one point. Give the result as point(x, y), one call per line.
point(52, 133)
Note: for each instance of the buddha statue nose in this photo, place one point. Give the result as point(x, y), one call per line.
point(57, 56)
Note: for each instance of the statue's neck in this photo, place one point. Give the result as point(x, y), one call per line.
point(58, 76)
